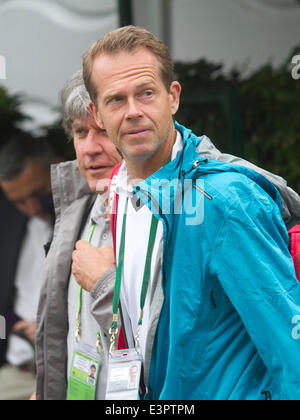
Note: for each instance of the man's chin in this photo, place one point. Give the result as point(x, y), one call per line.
point(45, 217)
point(139, 154)
point(100, 185)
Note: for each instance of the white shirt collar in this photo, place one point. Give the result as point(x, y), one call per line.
point(123, 184)
point(178, 146)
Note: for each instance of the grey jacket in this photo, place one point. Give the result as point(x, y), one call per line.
point(73, 201)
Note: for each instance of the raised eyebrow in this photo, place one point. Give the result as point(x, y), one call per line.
point(110, 96)
point(143, 85)
point(78, 126)
point(146, 85)
point(101, 130)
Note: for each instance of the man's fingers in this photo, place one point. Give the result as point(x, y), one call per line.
point(81, 244)
point(21, 325)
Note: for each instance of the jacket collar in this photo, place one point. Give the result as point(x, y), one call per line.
point(68, 185)
point(182, 164)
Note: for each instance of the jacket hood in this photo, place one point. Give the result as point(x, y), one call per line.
point(290, 199)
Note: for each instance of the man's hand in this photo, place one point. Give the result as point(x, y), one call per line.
point(90, 263)
point(33, 397)
point(25, 329)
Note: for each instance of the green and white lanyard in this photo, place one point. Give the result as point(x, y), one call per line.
point(145, 285)
point(78, 315)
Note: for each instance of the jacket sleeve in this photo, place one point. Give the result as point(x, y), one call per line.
point(102, 294)
point(256, 271)
point(39, 340)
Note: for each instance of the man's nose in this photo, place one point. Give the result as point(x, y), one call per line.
point(133, 109)
point(93, 144)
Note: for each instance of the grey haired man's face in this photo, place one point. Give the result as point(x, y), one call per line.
point(96, 154)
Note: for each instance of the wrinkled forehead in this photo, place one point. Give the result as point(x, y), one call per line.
point(111, 70)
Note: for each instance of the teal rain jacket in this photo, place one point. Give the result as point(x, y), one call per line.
point(231, 298)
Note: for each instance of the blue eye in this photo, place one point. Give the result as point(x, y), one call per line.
point(80, 133)
point(116, 99)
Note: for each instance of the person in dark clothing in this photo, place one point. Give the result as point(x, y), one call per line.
point(12, 228)
point(26, 225)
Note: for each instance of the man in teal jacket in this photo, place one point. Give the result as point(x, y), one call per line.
point(208, 285)
point(230, 290)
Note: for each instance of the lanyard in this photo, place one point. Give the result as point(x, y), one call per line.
point(78, 315)
point(146, 279)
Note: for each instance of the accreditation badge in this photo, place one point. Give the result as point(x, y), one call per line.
point(124, 374)
point(84, 375)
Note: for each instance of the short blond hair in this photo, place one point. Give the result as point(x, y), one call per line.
point(127, 38)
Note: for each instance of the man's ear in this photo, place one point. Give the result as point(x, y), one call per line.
point(175, 91)
point(96, 115)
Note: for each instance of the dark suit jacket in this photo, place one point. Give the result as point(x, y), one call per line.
point(12, 231)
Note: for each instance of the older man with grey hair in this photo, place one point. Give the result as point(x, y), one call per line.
point(67, 323)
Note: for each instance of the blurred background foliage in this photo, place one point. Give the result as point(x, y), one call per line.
point(271, 115)
point(11, 116)
point(255, 117)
